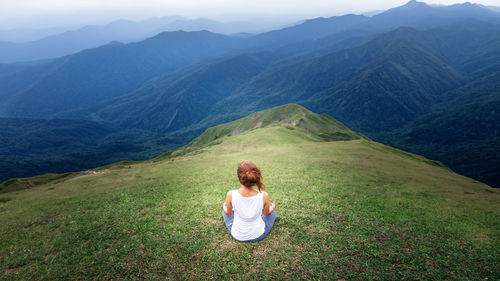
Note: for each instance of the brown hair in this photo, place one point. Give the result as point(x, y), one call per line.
point(249, 175)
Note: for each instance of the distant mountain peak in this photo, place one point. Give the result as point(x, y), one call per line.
point(407, 8)
point(415, 3)
point(180, 34)
point(469, 5)
point(115, 43)
point(343, 17)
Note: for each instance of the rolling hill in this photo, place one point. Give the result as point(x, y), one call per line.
point(347, 209)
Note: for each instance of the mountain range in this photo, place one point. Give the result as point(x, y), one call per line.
point(124, 31)
point(417, 77)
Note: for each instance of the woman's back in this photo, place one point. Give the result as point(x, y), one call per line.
point(248, 223)
point(249, 214)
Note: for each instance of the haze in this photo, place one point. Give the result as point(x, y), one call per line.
point(53, 13)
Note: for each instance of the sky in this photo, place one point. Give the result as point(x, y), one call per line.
point(52, 13)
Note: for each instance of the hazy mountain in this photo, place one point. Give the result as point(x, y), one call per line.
point(20, 35)
point(124, 31)
point(372, 13)
point(97, 74)
point(309, 30)
point(414, 14)
point(399, 72)
point(183, 93)
point(91, 36)
point(22, 80)
point(420, 15)
point(361, 86)
point(232, 27)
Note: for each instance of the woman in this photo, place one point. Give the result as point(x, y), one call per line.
point(248, 213)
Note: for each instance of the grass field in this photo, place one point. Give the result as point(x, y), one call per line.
point(353, 210)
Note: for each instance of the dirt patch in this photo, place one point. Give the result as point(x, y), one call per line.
point(86, 173)
point(303, 127)
point(260, 252)
point(258, 125)
point(228, 244)
point(90, 172)
point(159, 238)
point(10, 270)
point(129, 263)
point(297, 123)
point(212, 220)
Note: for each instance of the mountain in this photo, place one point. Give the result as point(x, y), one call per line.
point(298, 81)
point(125, 31)
point(183, 95)
point(313, 31)
point(379, 85)
point(97, 74)
point(373, 13)
point(345, 210)
point(86, 37)
point(420, 15)
point(462, 132)
point(374, 78)
point(414, 14)
point(20, 35)
point(309, 30)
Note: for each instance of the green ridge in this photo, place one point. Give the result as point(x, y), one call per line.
point(291, 116)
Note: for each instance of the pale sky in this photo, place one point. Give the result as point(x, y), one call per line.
point(46, 13)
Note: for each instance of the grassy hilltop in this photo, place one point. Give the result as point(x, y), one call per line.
point(347, 208)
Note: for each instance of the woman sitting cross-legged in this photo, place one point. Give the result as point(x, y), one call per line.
point(248, 213)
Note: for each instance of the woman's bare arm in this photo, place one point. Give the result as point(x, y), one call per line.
point(268, 205)
point(228, 206)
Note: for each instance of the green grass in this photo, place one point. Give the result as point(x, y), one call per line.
point(292, 116)
point(25, 183)
point(348, 209)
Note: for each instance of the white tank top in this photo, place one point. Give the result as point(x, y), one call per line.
point(247, 224)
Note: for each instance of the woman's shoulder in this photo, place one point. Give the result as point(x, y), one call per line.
point(264, 194)
point(232, 191)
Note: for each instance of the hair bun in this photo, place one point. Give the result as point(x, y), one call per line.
point(249, 175)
